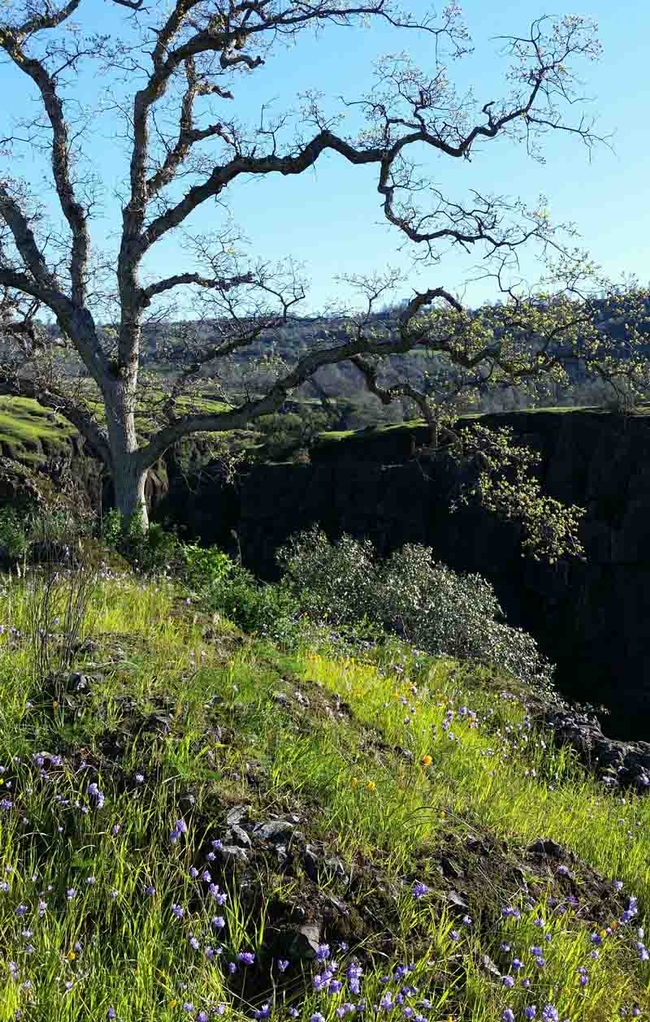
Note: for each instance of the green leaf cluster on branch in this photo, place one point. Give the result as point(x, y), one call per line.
point(506, 485)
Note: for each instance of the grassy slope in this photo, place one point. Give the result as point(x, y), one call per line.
point(189, 719)
point(24, 425)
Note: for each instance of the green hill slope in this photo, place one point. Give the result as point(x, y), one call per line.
point(196, 824)
point(29, 432)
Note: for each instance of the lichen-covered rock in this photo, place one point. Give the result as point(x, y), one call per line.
point(616, 763)
point(19, 486)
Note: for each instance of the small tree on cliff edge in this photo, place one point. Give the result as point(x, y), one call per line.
point(171, 76)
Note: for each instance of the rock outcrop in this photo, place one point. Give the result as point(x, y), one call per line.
point(617, 764)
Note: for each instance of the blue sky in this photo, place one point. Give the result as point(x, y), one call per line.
point(330, 219)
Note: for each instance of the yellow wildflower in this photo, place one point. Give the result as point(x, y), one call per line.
point(426, 760)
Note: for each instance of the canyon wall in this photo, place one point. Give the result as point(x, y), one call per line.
point(592, 619)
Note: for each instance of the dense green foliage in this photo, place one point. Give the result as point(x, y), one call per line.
point(426, 603)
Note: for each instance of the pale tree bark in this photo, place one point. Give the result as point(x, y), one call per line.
point(129, 481)
point(200, 51)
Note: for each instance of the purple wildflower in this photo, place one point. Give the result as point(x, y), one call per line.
point(420, 889)
point(96, 795)
point(550, 1014)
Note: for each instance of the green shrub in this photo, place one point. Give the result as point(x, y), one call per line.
point(427, 604)
point(269, 610)
point(43, 535)
point(204, 567)
point(150, 551)
point(442, 611)
point(335, 583)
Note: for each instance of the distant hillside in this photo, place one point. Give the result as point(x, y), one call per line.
point(167, 344)
point(338, 392)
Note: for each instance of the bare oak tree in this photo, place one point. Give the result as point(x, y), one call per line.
point(172, 75)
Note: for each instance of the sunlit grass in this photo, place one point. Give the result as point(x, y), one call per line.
point(238, 722)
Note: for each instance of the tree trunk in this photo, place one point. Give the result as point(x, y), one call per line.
point(128, 483)
point(127, 469)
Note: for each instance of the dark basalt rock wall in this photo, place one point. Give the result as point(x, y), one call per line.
point(592, 619)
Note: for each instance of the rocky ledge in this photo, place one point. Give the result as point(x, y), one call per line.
point(615, 763)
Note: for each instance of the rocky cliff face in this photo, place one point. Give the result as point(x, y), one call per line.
point(592, 619)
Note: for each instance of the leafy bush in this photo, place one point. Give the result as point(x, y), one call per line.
point(43, 536)
point(203, 567)
point(269, 610)
point(150, 551)
point(335, 584)
point(426, 603)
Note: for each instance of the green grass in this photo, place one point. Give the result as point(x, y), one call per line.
point(334, 436)
point(183, 718)
point(24, 425)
